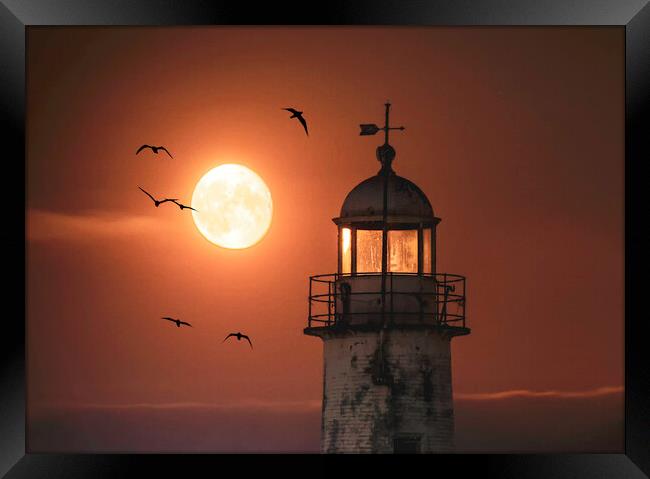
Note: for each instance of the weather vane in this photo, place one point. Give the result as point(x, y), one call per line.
point(385, 152)
point(372, 129)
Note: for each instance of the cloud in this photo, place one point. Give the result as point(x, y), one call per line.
point(46, 225)
point(526, 393)
point(245, 405)
point(315, 404)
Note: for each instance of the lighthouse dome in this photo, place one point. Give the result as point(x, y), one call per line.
point(405, 199)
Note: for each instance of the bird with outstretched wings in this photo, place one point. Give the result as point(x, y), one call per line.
point(182, 206)
point(154, 149)
point(177, 321)
point(239, 337)
point(298, 114)
point(155, 201)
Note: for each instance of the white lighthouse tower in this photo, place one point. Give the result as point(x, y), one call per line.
point(386, 319)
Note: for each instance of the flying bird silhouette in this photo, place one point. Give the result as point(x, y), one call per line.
point(154, 149)
point(181, 206)
point(158, 202)
point(239, 336)
point(298, 114)
point(177, 321)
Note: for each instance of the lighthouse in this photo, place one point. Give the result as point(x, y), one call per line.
point(386, 319)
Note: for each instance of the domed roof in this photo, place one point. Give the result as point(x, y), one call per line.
point(404, 199)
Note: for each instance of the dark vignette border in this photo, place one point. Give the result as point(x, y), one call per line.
point(634, 15)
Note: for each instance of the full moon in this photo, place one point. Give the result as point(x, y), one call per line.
point(233, 206)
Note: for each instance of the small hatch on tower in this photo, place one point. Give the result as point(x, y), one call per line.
point(406, 444)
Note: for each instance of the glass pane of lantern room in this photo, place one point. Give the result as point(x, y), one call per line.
point(403, 251)
point(369, 251)
point(346, 250)
point(426, 250)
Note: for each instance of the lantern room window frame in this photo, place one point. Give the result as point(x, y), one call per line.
point(354, 226)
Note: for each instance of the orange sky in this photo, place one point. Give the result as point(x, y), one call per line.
point(514, 134)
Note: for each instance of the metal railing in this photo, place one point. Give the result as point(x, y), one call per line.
point(339, 299)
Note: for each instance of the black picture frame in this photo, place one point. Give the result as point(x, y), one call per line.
point(632, 15)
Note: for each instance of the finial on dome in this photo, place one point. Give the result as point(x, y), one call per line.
point(386, 155)
point(385, 152)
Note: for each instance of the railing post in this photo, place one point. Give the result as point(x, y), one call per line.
point(438, 302)
point(309, 299)
point(329, 303)
point(464, 299)
point(336, 317)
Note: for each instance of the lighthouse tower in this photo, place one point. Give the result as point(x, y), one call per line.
point(386, 319)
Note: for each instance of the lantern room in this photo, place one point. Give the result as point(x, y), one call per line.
point(408, 225)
